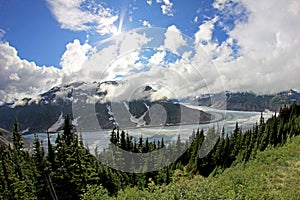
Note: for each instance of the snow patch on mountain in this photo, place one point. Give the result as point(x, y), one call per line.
point(25, 130)
point(139, 121)
point(58, 124)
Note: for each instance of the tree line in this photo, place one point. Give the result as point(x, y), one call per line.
point(67, 170)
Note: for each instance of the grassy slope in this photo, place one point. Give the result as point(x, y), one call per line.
point(274, 174)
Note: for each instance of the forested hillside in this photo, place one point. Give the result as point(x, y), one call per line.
point(272, 174)
point(68, 171)
point(249, 101)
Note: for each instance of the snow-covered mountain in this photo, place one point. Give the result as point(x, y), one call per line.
point(246, 101)
point(109, 104)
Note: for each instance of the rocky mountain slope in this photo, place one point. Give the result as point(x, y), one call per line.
point(45, 113)
point(5, 138)
point(113, 108)
point(246, 101)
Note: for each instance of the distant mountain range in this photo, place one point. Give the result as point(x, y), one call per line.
point(47, 111)
point(246, 101)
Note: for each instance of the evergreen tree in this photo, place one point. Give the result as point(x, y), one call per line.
point(123, 140)
point(162, 144)
point(17, 136)
point(273, 131)
point(41, 185)
point(50, 156)
point(67, 135)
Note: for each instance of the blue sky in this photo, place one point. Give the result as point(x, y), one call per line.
point(34, 31)
point(249, 46)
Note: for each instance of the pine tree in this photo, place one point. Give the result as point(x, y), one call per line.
point(219, 152)
point(226, 158)
point(17, 136)
point(129, 144)
point(146, 146)
point(178, 145)
point(264, 139)
point(235, 142)
point(67, 135)
point(167, 181)
point(7, 188)
point(123, 140)
point(162, 144)
point(140, 145)
point(273, 131)
point(50, 156)
point(41, 185)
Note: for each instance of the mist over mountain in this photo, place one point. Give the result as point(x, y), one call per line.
point(113, 107)
point(46, 112)
point(248, 101)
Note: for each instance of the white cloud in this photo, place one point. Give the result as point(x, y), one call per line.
point(205, 31)
point(122, 55)
point(178, 79)
point(231, 13)
point(14, 77)
point(219, 4)
point(130, 41)
point(73, 15)
point(269, 54)
point(146, 24)
point(166, 7)
point(20, 78)
point(269, 50)
point(157, 58)
point(196, 19)
point(75, 55)
point(149, 2)
point(173, 39)
point(102, 65)
point(204, 44)
point(124, 64)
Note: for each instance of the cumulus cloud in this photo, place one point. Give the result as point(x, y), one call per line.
point(20, 78)
point(261, 54)
point(269, 48)
point(104, 64)
point(166, 7)
point(262, 51)
point(146, 24)
point(204, 34)
point(208, 49)
point(77, 16)
point(231, 13)
point(219, 4)
point(173, 39)
point(14, 77)
point(75, 55)
point(157, 58)
point(196, 19)
point(149, 2)
point(170, 78)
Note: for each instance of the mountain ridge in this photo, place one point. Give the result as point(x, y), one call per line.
point(47, 110)
point(248, 101)
point(49, 107)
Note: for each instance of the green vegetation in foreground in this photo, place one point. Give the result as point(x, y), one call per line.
point(273, 174)
point(260, 163)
